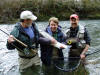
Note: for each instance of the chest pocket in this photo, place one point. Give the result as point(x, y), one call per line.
point(81, 34)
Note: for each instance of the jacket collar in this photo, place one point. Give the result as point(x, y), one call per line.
point(20, 28)
point(48, 29)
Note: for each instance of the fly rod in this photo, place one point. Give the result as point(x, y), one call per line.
point(15, 39)
point(18, 41)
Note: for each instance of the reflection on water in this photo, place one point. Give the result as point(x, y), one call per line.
point(9, 59)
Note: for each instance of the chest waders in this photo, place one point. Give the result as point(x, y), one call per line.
point(77, 41)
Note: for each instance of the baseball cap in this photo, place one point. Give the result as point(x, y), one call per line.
point(74, 16)
point(27, 15)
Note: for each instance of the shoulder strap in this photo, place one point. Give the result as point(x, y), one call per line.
point(36, 32)
point(68, 32)
point(81, 30)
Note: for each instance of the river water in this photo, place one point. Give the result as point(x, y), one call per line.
point(9, 58)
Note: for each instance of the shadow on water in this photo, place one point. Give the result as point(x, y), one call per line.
point(9, 59)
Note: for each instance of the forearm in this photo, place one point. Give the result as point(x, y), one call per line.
point(85, 49)
point(44, 41)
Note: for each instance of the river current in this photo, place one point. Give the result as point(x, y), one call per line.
point(9, 58)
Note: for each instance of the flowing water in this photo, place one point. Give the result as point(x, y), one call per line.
point(9, 58)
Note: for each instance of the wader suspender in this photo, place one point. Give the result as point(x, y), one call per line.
point(79, 34)
point(36, 32)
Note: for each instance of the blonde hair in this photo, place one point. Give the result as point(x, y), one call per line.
point(54, 19)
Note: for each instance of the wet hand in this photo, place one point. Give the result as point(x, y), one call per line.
point(11, 39)
point(82, 56)
point(53, 41)
point(62, 47)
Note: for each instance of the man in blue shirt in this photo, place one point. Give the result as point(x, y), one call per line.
point(27, 32)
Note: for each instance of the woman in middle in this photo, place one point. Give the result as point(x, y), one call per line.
point(49, 52)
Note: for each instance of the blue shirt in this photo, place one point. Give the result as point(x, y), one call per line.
point(29, 31)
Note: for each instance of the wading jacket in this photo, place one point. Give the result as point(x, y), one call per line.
point(46, 50)
point(19, 33)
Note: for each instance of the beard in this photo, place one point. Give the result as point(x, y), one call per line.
point(74, 25)
point(28, 24)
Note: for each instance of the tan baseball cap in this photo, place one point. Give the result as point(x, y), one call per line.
point(27, 15)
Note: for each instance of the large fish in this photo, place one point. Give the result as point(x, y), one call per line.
point(57, 44)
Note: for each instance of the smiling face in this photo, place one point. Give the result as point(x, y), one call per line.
point(74, 22)
point(53, 26)
point(53, 22)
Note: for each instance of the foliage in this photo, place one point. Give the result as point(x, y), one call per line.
point(44, 9)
